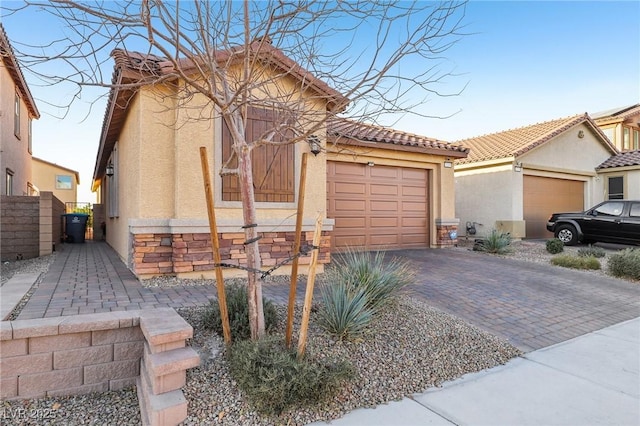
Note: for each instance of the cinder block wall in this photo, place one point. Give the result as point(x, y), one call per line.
point(19, 227)
point(99, 352)
point(51, 211)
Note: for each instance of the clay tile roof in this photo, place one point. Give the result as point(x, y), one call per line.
point(11, 63)
point(625, 159)
point(361, 132)
point(516, 142)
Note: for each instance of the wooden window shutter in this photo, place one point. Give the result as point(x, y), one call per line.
point(273, 165)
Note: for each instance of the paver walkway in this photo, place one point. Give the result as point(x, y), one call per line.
point(532, 305)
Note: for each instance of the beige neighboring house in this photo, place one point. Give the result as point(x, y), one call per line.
point(620, 176)
point(622, 126)
point(153, 196)
point(17, 111)
point(513, 180)
point(62, 181)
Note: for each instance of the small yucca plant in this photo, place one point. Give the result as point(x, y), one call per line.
point(345, 312)
point(380, 278)
point(495, 242)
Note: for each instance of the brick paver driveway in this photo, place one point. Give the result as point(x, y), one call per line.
point(532, 305)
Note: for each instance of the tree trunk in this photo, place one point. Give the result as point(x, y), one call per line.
point(254, 286)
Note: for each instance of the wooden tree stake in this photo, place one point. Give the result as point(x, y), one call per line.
point(296, 250)
point(215, 246)
point(306, 310)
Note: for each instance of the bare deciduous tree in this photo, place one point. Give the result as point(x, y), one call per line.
point(360, 58)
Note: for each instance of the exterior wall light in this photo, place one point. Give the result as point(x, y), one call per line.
point(371, 164)
point(448, 163)
point(314, 144)
point(109, 170)
point(517, 167)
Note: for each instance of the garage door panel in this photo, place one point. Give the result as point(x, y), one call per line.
point(414, 174)
point(377, 206)
point(349, 240)
point(383, 172)
point(347, 169)
point(413, 206)
point(384, 222)
point(352, 222)
point(544, 196)
point(385, 240)
point(413, 191)
point(390, 212)
point(350, 188)
point(377, 189)
point(350, 205)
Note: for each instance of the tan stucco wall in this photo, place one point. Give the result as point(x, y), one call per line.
point(129, 192)
point(15, 152)
point(631, 182)
point(488, 196)
point(161, 182)
point(569, 152)
point(44, 177)
point(441, 182)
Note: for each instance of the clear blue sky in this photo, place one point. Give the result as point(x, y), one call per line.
point(525, 62)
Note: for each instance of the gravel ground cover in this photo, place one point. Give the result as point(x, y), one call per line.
point(410, 348)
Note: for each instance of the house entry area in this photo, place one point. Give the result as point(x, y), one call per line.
point(377, 206)
point(544, 196)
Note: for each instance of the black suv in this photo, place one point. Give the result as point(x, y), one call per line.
point(613, 221)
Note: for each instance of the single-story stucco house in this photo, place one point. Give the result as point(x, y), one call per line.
point(513, 180)
point(373, 187)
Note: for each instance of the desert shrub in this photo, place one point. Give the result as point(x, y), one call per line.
point(238, 309)
point(380, 279)
point(495, 242)
point(555, 246)
point(345, 312)
point(576, 262)
point(625, 263)
point(591, 251)
point(357, 286)
point(274, 378)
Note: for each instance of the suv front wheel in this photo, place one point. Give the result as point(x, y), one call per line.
point(567, 234)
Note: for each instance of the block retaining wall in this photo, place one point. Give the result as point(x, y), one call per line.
point(155, 254)
point(99, 352)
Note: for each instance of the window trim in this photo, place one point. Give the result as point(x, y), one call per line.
point(218, 161)
point(620, 195)
point(8, 180)
point(30, 136)
point(16, 115)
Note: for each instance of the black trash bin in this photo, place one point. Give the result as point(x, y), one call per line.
point(75, 227)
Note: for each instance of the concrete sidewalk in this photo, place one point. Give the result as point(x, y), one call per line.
point(593, 379)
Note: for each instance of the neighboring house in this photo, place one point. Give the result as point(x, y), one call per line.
point(17, 111)
point(513, 180)
point(622, 126)
point(621, 176)
point(153, 195)
point(63, 182)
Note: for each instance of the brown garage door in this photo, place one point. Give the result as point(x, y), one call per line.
point(543, 196)
point(377, 207)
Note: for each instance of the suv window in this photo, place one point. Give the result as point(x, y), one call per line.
point(610, 209)
point(635, 210)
